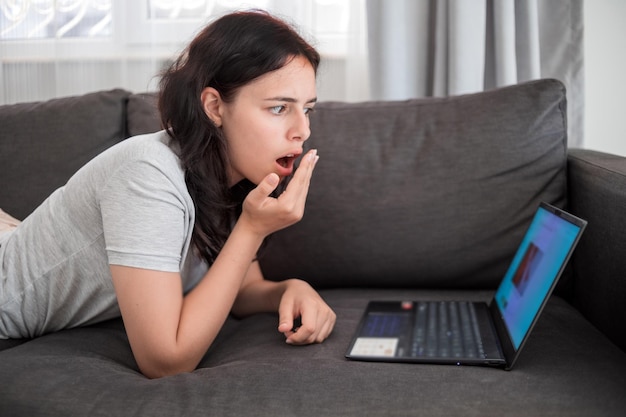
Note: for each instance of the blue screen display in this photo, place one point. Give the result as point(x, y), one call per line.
point(533, 270)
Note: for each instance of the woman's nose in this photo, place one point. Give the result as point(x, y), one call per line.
point(300, 129)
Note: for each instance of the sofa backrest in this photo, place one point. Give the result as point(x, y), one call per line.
point(425, 193)
point(42, 144)
point(430, 192)
point(143, 116)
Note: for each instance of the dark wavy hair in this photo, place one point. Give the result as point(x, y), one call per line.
point(229, 53)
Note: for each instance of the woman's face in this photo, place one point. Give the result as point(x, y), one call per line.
point(268, 121)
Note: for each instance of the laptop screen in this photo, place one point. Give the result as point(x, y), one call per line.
point(537, 263)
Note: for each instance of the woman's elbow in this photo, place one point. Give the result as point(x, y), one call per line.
point(156, 372)
point(159, 367)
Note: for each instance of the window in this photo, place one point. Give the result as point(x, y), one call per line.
point(153, 22)
point(52, 48)
point(45, 19)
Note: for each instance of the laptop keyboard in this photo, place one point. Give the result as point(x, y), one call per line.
point(446, 330)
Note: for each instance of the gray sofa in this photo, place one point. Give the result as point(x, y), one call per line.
point(410, 200)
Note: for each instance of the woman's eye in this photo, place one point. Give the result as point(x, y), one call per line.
point(278, 109)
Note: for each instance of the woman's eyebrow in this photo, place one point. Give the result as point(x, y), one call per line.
point(290, 99)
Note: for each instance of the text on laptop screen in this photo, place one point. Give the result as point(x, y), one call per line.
point(532, 272)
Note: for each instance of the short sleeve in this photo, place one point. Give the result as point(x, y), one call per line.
point(146, 221)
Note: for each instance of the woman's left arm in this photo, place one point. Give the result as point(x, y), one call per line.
point(292, 299)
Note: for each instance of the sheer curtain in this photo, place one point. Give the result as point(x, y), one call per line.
point(446, 47)
point(55, 48)
point(372, 49)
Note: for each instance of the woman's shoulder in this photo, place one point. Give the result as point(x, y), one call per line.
point(147, 158)
point(155, 145)
point(151, 149)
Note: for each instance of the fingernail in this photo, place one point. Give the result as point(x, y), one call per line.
point(273, 180)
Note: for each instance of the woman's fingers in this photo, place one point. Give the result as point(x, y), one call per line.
point(298, 187)
point(317, 319)
point(267, 214)
point(258, 196)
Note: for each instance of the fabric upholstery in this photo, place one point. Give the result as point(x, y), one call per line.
point(568, 368)
point(143, 116)
point(42, 144)
point(597, 192)
point(442, 167)
point(425, 193)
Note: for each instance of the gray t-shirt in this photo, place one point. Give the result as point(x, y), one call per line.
point(128, 206)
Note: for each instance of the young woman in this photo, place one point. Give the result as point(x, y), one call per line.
point(135, 230)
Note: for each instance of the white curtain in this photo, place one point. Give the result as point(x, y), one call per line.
point(56, 48)
point(420, 48)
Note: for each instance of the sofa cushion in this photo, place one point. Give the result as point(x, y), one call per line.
point(427, 192)
point(42, 144)
point(567, 368)
point(143, 116)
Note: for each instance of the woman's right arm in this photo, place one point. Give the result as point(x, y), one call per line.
point(169, 333)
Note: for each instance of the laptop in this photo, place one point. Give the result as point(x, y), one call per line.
point(475, 333)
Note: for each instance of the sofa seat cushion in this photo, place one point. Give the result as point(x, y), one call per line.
point(425, 193)
point(567, 368)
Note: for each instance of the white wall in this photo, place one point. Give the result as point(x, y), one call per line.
point(605, 75)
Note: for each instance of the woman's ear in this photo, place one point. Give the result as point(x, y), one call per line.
point(212, 103)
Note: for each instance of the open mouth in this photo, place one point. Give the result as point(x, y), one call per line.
point(286, 161)
point(286, 164)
